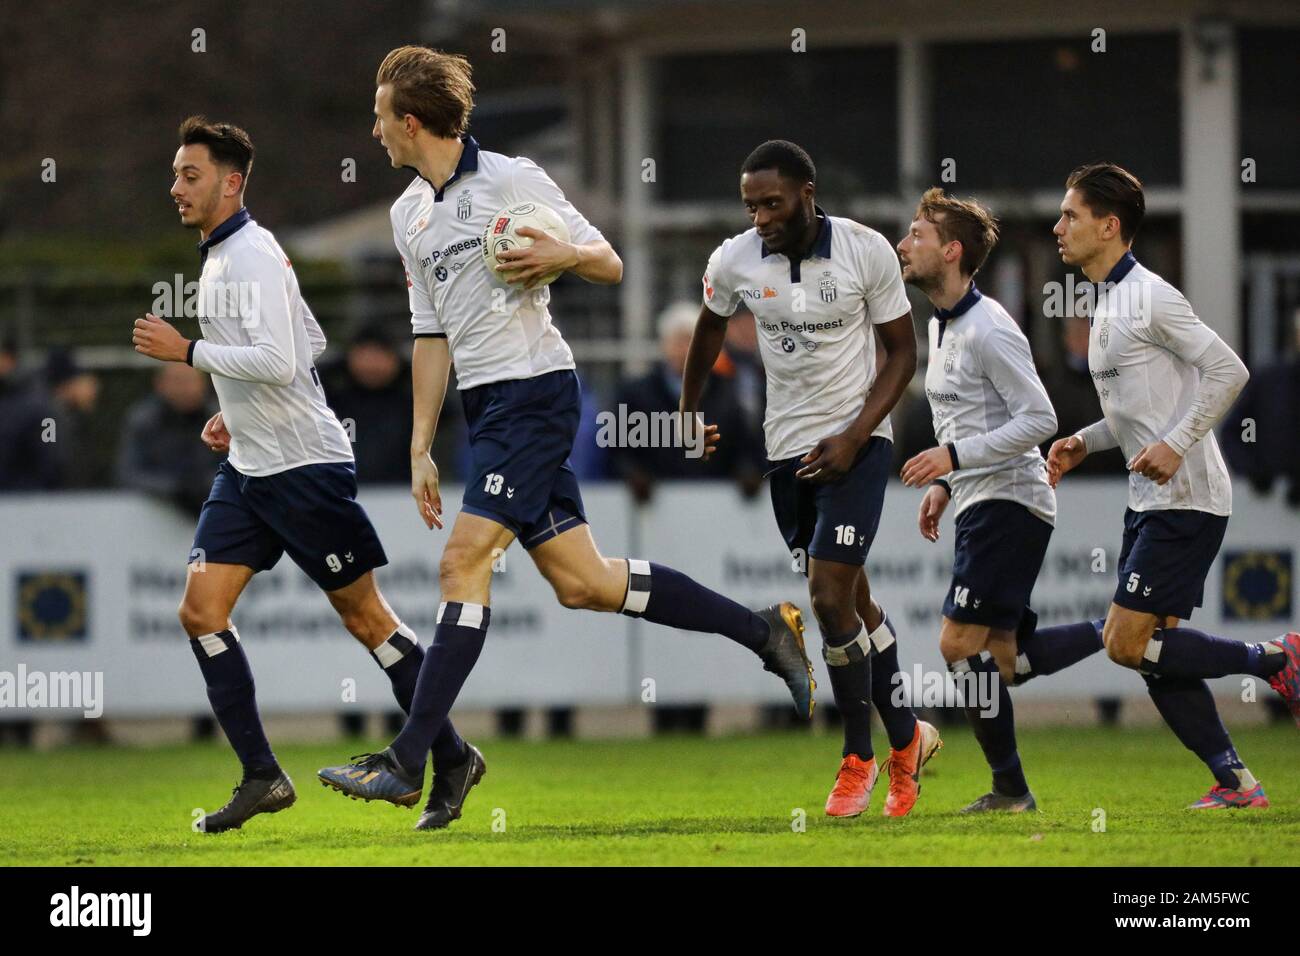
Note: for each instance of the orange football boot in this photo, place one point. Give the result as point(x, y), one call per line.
point(904, 767)
point(852, 791)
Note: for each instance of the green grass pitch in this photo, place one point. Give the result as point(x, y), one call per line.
point(663, 801)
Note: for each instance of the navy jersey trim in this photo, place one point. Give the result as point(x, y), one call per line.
point(821, 247)
point(224, 231)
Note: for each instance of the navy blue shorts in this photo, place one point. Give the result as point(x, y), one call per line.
point(835, 521)
point(521, 432)
point(1165, 559)
point(310, 511)
point(998, 552)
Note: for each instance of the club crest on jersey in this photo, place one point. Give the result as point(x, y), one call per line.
point(423, 221)
point(950, 357)
point(1103, 334)
point(827, 287)
point(464, 205)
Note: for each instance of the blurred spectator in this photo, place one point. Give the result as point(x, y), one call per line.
point(160, 451)
point(75, 395)
point(370, 392)
point(29, 459)
point(1074, 396)
point(739, 455)
point(1271, 448)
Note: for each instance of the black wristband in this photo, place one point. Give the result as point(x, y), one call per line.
point(189, 352)
point(943, 483)
point(952, 450)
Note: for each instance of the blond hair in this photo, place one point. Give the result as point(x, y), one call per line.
point(434, 87)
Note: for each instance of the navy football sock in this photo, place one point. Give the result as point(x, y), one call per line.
point(401, 656)
point(1188, 708)
point(848, 660)
point(887, 687)
point(234, 699)
point(457, 642)
point(1187, 652)
point(664, 596)
point(1047, 650)
point(988, 709)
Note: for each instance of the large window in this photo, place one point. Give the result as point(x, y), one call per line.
point(1023, 114)
point(1269, 91)
point(840, 105)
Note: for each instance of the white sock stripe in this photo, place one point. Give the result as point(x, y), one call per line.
point(881, 637)
point(471, 615)
point(638, 586)
point(1022, 664)
point(387, 655)
point(212, 644)
point(442, 609)
point(839, 655)
point(407, 633)
point(1152, 653)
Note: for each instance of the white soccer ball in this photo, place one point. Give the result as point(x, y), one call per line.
point(501, 234)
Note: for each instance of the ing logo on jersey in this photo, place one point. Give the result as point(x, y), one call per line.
point(424, 221)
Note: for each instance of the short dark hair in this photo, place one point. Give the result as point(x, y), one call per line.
point(229, 145)
point(1111, 190)
point(963, 220)
point(787, 158)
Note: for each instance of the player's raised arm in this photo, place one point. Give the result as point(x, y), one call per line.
point(430, 365)
point(270, 357)
point(899, 340)
point(1009, 366)
point(706, 345)
point(1174, 326)
point(587, 255)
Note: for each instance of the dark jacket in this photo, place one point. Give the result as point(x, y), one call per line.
point(161, 452)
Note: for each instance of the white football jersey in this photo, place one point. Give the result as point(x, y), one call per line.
point(1146, 353)
point(814, 320)
point(259, 343)
point(495, 331)
point(990, 406)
